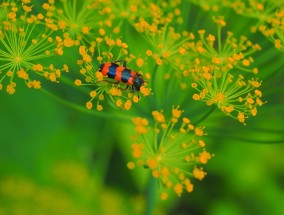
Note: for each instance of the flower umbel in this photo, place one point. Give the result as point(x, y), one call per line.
point(24, 41)
point(79, 20)
point(274, 29)
point(117, 92)
point(218, 77)
point(269, 16)
point(236, 97)
point(131, 11)
point(233, 53)
point(168, 45)
point(171, 150)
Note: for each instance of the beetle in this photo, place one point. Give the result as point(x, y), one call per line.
point(112, 70)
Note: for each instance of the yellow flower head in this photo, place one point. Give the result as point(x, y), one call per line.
point(168, 45)
point(229, 52)
point(23, 42)
point(79, 20)
point(234, 96)
point(171, 150)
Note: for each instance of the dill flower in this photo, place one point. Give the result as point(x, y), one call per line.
point(79, 20)
point(269, 16)
point(229, 53)
point(258, 9)
point(131, 11)
point(3, 11)
point(172, 150)
point(92, 58)
point(273, 29)
point(232, 94)
point(168, 46)
point(121, 10)
point(209, 5)
point(217, 74)
point(24, 41)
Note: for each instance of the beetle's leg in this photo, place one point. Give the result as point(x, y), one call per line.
point(124, 62)
point(132, 89)
point(126, 88)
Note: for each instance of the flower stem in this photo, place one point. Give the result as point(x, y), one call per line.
point(123, 117)
point(206, 115)
point(151, 196)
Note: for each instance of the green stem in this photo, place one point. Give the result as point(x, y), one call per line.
point(215, 135)
point(206, 115)
point(119, 115)
point(219, 40)
point(151, 196)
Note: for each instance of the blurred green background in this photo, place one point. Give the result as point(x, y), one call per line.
point(57, 160)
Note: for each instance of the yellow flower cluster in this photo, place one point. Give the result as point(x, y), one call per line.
point(259, 9)
point(274, 29)
point(252, 8)
point(233, 53)
point(132, 11)
point(269, 15)
point(103, 86)
point(172, 149)
point(169, 47)
point(217, 73)
point(209, 5)
point(23, 41)
point(234, 96)
point(79, 20)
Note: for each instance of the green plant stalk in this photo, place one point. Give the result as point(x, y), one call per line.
point(151, 196)
point(123, 117)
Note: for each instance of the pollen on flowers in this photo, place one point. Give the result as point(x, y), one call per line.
point(176, 113)
point(232, 95)
point(23, 46)
point(170, 47)
point(204, 157)
point(158, 116)
point(149, 52)
point(164, 196)
point(220, 21)
point(145, 91)
point(127, 104)
point(199, 131)
point(93, 94)
point(22, 74)
point(230, 52)
point(135, 99)
point(89, 105)
point(171, 155)
point(139, 62)
point(198, 173)
point(79, 20)
point(130, 165)
point(78, 82)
